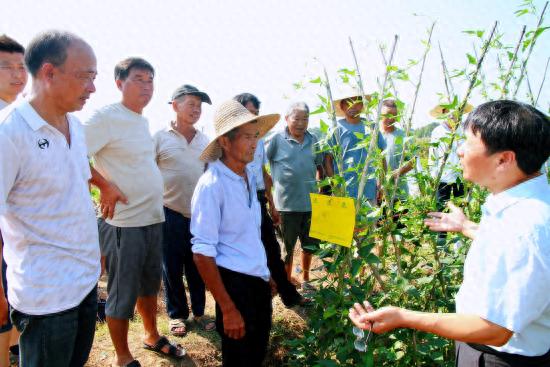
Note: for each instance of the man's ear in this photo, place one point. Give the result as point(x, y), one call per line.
point(119, 84)
point(47, 71)
point(507, 158)
point(224, 142)
point(175, 106)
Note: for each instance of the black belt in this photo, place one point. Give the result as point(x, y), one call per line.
point(517, 359)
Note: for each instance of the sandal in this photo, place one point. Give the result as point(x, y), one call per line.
point(177, 327)
point(134, 363)
point(205, 323)
point(174, 350)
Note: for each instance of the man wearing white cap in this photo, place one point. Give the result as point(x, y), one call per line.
point(227, 246)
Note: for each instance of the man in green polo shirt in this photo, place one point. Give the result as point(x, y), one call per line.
point(294, 164)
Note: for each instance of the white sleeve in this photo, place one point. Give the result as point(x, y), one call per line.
point(205, 218)
point(9, 168)
point(97, 132)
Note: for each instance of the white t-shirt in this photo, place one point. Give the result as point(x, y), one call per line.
point(3, 104)
point(180, 166)
point(452, 166)
point(122, 148)
point(46, 214)
point(257, 165)
point(507, 269)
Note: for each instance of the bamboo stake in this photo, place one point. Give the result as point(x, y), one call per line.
point(524, 64)
point(542, 83)
point(511, 67)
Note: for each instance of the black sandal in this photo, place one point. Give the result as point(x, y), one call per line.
point(172, 348)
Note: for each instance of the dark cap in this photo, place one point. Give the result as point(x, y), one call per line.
point(188, 89)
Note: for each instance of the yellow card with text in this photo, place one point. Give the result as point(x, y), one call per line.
point(332, 219)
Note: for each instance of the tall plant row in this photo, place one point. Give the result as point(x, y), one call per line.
point(399, 261)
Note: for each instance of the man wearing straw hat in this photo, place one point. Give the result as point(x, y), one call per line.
point(227, 247)
point(450, 184)
point(349, 105)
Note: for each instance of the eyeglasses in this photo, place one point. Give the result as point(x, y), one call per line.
point(361, 343)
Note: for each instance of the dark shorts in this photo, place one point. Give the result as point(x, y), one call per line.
point(133, 261)
point(296, 225)
point(7, 326)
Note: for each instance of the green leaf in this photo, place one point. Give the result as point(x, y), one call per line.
point(316, 80)
point(539, 31)
point(471, 59)
point(521, 12)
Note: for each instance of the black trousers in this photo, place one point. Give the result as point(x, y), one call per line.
point(252, 297)
point(467, 356)
point(444, 191)
point(287, 290)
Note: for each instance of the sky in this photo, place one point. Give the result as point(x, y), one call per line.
point(266, 47)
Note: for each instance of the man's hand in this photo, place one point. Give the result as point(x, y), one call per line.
point(109, 195)
point(380, 321)
point(233, 324)
point(273, 287)
point(275, 216)
point(453, 221)
point(3, 308)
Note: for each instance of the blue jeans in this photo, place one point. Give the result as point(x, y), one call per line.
point(62, 339)
point(177, 256)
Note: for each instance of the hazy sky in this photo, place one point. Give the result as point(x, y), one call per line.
point(264, 47)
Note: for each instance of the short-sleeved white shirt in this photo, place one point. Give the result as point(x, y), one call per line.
point(507, 269)
point(46, 214)
point(121, 145)
point(180, 166)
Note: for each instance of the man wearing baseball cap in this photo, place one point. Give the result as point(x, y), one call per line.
point(177, 149)
point(227, 245)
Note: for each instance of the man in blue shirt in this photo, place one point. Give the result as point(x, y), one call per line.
point(502, 308)
point(227, 246)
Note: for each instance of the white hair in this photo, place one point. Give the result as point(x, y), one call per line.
point(297, 106)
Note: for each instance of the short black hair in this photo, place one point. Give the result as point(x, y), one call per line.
point(244, 98)
point(510, 125)
point(123, 68)
point(48, 47)
point(8, 44)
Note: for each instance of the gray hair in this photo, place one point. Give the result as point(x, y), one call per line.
point(297, 106)
point(48, 47)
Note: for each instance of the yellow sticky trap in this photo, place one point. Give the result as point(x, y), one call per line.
point(332, 219)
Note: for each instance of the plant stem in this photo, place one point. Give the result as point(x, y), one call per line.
point(533, 41)
point(511, 68)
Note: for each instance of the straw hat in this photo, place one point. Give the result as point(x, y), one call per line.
point(232, 114)
point(439, 110)
point(344, 93)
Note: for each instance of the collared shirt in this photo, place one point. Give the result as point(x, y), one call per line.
point(226, 219)
point(353, 158)
point(257, 165)
point(180, 167)
point(441, 135)
point(121, 145)
point(3, 104)
point(507, 269)
point(46, 214)
point(392, 143)
point(293, 168)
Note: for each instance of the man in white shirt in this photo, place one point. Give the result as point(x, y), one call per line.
point(46, 213)
point(131, 187)
point(177, 149)
point(13, 78)
point(502, 308)
point(450, 183)
point(227, 246)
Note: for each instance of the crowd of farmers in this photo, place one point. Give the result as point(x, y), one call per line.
point(178, 204)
